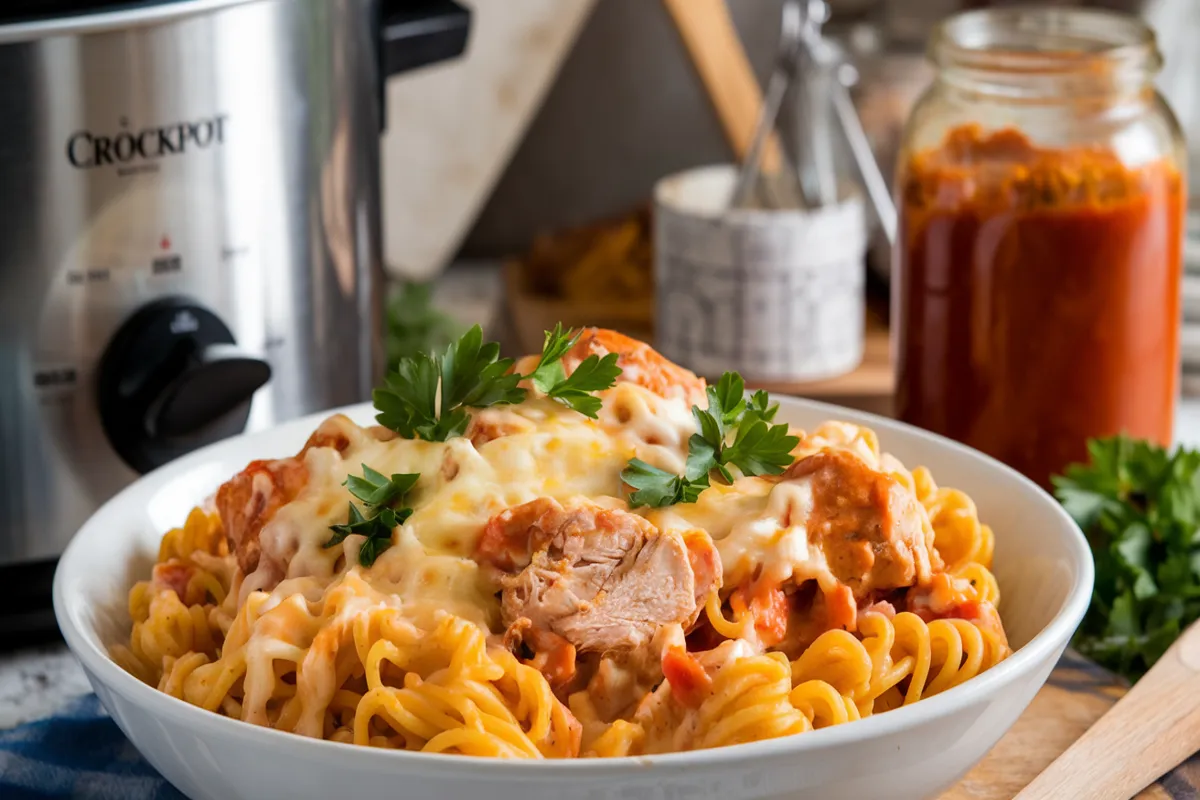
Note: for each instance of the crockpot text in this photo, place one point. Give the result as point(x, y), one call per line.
point(86, 150)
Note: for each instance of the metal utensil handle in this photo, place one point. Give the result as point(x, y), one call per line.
point(816, 170)
point(864, 157)
point(749, 173)
point(777, 86)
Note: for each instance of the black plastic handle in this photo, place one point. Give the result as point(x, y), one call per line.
point(220, 379)
point(172, 379)
point(415, 33)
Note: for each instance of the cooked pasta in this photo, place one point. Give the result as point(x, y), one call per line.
point(960, 538)
point(525, 605)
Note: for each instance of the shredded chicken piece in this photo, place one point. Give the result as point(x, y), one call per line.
point(603, 579)
point(868, 525)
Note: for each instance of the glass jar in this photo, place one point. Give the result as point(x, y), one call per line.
point(1041, 196)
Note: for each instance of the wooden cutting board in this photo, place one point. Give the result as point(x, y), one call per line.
point(1076, 695)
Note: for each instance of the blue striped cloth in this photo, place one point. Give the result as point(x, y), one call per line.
point(78, 753)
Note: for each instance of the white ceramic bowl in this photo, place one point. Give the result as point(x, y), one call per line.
point(1042, 563)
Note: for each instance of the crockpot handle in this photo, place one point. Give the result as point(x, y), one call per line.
point(414, 33)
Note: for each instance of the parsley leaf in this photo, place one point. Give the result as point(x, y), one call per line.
point(657, 488)
point(427, 397)
point(380, 540)
point(376, 489)
point(689, 490)
point(727, 400)
point(379, 494)
point(704, 447)
point(408, 400)
point(1139, 506)
point(653, 486)
point(357, 524)
point(758, 447)
point(474, 375)
point(377, 530)
point(549, 370)
point(594, 374)
point(701, 458)
point(760, 407)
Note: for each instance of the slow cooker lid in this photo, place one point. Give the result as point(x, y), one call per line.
point(25, 20)
point(36, 10)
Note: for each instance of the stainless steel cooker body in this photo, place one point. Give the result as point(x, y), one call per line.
point(189, 206)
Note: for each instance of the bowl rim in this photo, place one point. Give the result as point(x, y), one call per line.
point(102, 669)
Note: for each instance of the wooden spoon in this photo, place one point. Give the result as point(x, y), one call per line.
point(718, 55)
point(1148, 732)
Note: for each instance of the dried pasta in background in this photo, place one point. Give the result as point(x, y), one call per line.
point(607, 260)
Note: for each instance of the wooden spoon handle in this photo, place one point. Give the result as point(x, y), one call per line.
point(1149, 731)
point(719, 57)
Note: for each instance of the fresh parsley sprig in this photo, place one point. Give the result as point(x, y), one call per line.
point(376, 489)
point(377, 529)
point(758, 447)
point(594, 374)
point(380, 495)
point(656, 487)
point(427, 397)
point(759, 406)
point(1140, 508)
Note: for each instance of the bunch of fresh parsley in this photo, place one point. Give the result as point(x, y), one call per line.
point(1140, 508)
point(427, 397)
point(758, 447)
point(383, 498)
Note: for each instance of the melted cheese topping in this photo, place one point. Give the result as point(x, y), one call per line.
point(561, 454)
point(758, 525)
point(656, 429)
point(391, 655)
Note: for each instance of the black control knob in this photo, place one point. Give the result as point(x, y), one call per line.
point(173, 380)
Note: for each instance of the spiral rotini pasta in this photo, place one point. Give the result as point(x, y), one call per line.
point(173, 614)
point(961, 539)
point(480, 702)
point(525, 608)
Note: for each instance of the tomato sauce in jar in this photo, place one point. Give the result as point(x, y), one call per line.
point(1040, 299)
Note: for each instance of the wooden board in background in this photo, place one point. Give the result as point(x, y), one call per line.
point(874, 377)
point(868, 387)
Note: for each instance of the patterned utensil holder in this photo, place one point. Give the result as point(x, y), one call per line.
point(775, 295)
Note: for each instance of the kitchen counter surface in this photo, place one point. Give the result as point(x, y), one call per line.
point(35, 682)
